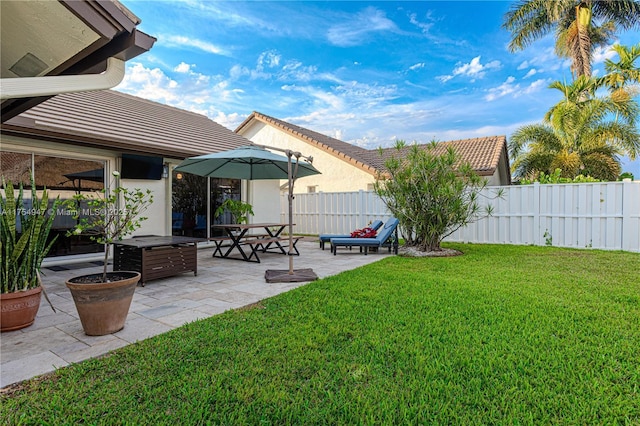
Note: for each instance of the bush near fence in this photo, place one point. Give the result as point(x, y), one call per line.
point(603, 215)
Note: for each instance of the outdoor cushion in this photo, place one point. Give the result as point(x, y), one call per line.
point(364, 233)
point(325, 238)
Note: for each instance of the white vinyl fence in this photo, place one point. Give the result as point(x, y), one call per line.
point(589, 215)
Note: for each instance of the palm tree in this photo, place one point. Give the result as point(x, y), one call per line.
point(623, 73)
point(578, 135)
point(580, 25)
point(581, 94)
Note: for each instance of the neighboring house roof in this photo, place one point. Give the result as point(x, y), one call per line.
point(65, 37)
point(343, 150)
point(484, 154)
point(114, 120)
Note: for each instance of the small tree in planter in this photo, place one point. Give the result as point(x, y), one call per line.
point(108, 220)
point(103, 300)
point(21, 254)
point(238, 209)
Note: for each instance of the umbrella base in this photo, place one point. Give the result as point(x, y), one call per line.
point(283, 275)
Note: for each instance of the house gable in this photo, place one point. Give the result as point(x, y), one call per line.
point(335, 171)
point(352, 154)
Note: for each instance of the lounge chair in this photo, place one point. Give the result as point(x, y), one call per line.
point(325, 238)
point(387, 237)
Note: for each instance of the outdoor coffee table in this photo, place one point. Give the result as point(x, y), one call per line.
point(156, 257)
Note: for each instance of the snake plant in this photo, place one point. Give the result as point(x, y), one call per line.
point(21, 253)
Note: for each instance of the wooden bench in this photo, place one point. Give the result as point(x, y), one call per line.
point(263, 243)
point(219, 242)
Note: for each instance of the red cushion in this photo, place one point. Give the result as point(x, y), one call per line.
point(364, 233)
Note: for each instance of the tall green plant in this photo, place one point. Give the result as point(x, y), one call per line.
point(112, 215)
point(238, 209)
point(431, 195)
point(22, 253)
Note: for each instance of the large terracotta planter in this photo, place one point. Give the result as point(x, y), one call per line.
point(103, 307)
point(19, 309)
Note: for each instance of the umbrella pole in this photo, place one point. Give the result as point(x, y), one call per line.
point(289, 153)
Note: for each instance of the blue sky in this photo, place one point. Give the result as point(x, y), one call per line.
point(365, 72)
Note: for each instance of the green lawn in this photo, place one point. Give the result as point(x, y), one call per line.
point(500, 335)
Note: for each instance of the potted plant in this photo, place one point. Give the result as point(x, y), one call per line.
point(103, 299)
point(21, 254)
point(238, 209)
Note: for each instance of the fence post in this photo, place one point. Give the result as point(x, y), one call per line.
point(630, 227)
point(536, 214)
point(362, 214)
point(322, 213)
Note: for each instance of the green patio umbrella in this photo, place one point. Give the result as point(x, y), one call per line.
point(247, 162)
point(254, 162)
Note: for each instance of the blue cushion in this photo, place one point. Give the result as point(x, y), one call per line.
point(327, 237)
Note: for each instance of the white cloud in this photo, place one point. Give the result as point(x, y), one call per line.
point(238, 71)
point(473, 69)
point(360, 27)
point(503, 90)
point(417, 66)
point(183, 68)
point(531, 73)
point(424, 26)
point(230, 121)
point(269, 59)
point(536, 86)
point(444, 78)
point(149, 83)
point(600, 54)
point(543, 57)
point(190, 91)
point(182, 41)
point(510, 87)
point(297, 71)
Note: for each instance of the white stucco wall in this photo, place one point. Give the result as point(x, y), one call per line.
point(337, 175)
point(264, 197)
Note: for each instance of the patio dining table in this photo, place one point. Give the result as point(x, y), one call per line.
point(239, 240)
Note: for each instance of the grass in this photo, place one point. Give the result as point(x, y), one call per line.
point(501, 335)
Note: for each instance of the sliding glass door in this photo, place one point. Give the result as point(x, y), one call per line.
point(63, 177)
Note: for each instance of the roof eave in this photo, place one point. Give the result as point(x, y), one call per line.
point(119, 39)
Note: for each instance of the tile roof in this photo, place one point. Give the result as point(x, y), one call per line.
point(482, 153)
point(340, 149)
point(114, 120)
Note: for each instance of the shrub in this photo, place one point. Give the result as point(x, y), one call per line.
point(431, 194)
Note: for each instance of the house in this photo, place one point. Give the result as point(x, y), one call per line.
point(346, 167)
point(60, 122)
point(74, 141)
point(70, 136)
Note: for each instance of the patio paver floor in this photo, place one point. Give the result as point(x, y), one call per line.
point(57, 339)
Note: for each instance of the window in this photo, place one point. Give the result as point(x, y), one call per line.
point(190, 199)
point(369, 187)
point(63, 177)
point(311, 189)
